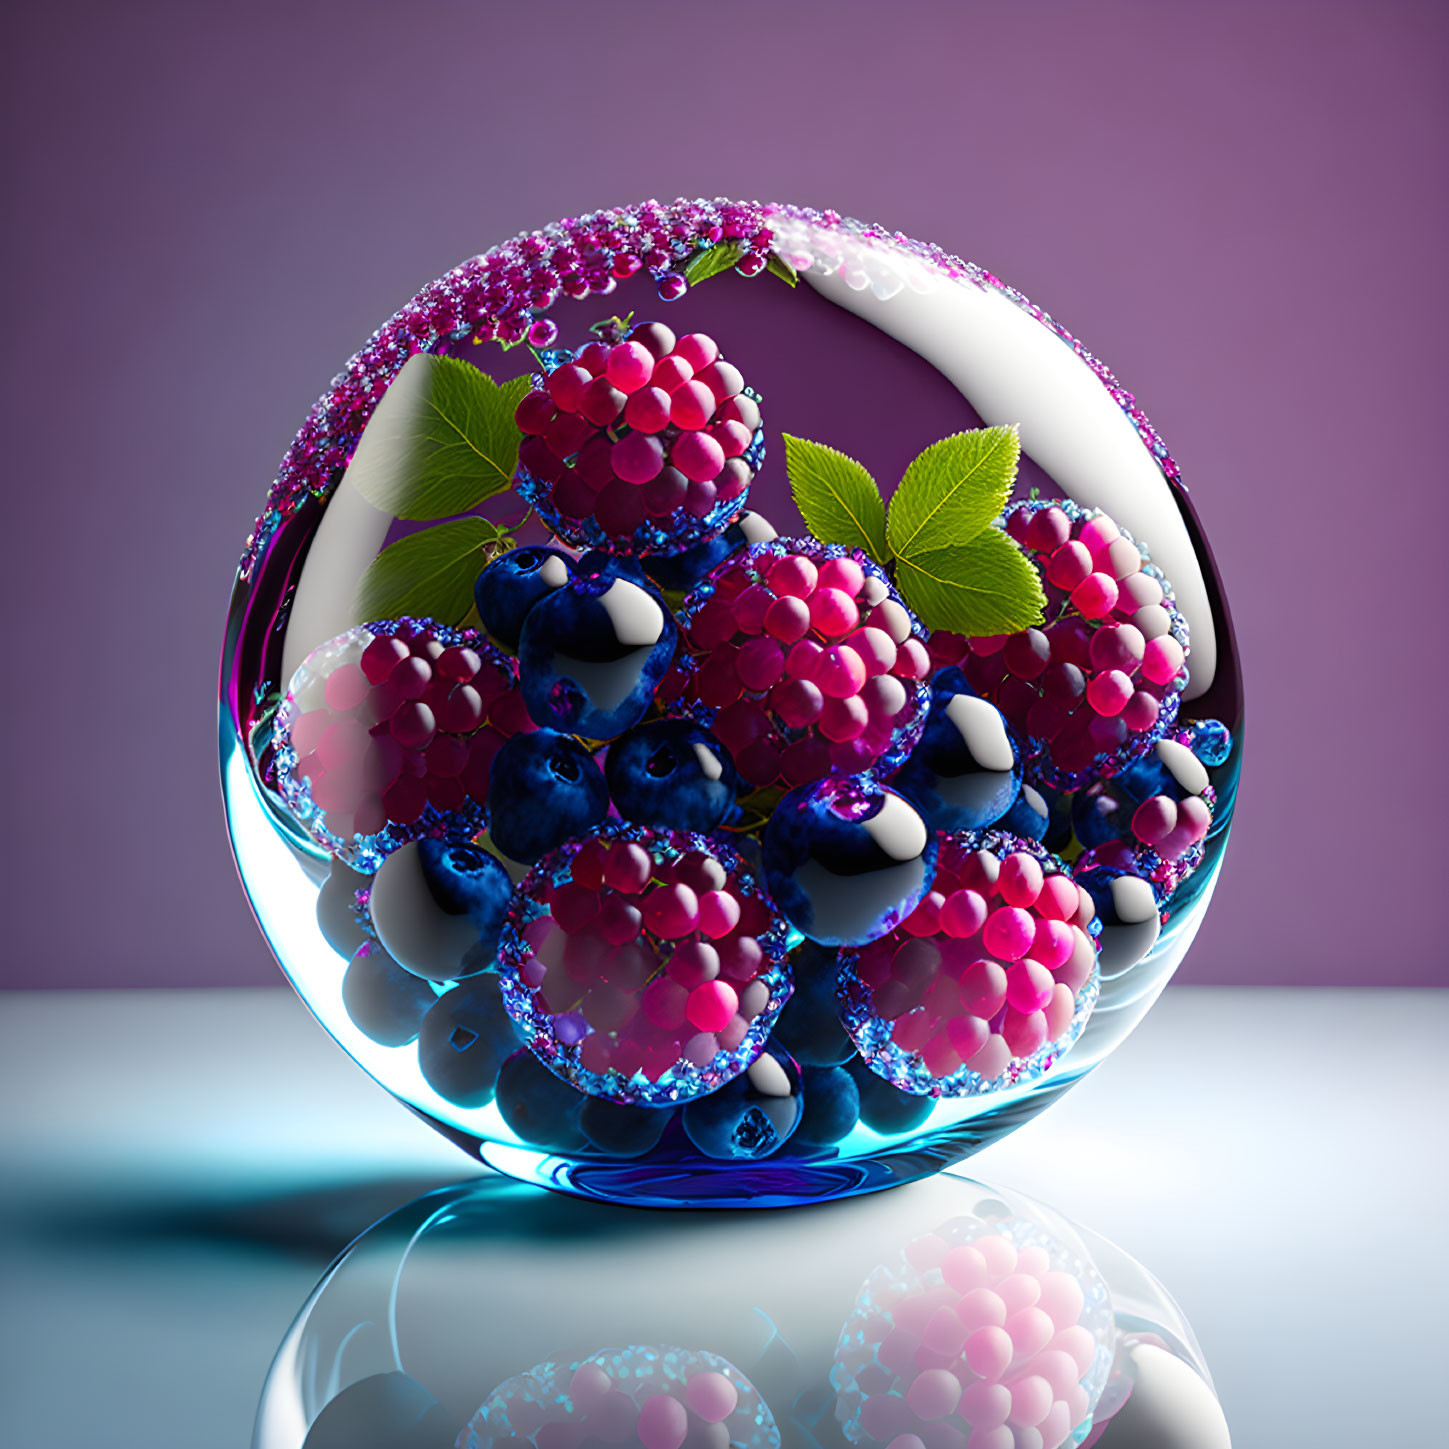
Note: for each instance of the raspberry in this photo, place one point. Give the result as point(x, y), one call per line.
point(647, 446)
point(986, 983)
point(803, 661)
point(982, 1324)
point(388, 732)
point(643, 965)
point(1093, 688)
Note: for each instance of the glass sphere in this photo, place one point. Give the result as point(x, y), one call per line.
point(675, 551)
point(954, 1312)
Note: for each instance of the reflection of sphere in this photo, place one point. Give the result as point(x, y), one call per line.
point(655, 1397)
point(992, 1329)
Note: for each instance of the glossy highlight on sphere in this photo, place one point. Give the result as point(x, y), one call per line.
point(847, 859)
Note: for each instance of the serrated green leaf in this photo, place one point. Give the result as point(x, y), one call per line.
point(779, 267)
point(449, 443)
point(953, 490)
point(837, 498)
point(713, 260)
point(986, 586)
point(429, 573)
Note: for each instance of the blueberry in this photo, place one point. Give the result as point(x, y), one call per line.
point(1212, 742)
point(543, 788)
point(809, 1027)
point(463, 1042)
point(538, 1106)
point(617, 1130)
point(965, 772)
point(592, 653)
point(1030, 817)
point(752, 1115)
point(672, 774)
point(438, 907)
point(847, 859)
point(391, 1408)
point(384, 1002)
point(832, 1106)
point(884, 1108)
point(513, 583)
point(680, 572)
point(1128, 909)
point(337, 916)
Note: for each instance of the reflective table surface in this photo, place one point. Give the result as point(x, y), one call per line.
point(181, 1167)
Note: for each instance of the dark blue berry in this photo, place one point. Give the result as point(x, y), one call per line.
point(847, 859)
point(543, 788)
point(1103, 811)
point(464, 1040)
point(752, 1115)
point(1129, 912)
point(679, 572)
point(673, 774)
point(885, 1108)
point(809, 1027)
point(592, 653)
point(391, 1408)
point(832, 1107)
point(513, 583)
point(438, 907)
point(384, 1002)
point(618, 1130)
point(538, 1106)
point(1030, 816)
point(965, 773)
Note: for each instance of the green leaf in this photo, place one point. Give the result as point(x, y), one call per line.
point(953, 490)
point(837, 498)
point(779, 267)
point(430, 573)
point(986, 586)
point(447, 443)
point(713, 260)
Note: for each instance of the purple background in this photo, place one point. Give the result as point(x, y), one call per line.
point(1241, 208)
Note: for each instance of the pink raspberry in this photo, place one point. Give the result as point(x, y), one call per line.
point(387, 734)
point(646, 966)
point(1094, 687)
point(638, 446)
point(803, 660)
point(986, 983)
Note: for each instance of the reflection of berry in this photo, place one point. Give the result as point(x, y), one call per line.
point(847, 859)
point(646, 446)
point(388, 732)
point(643, 965)
point(986, 983)
point(1099, 682)
point(1163, 801)
point(654, 1397)
point(804, 662)
point(991, 1332)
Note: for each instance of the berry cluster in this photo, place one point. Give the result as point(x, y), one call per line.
point(645, 966)
point(645, 446)
point(1099, 682)
point(987, 1331)
point(654, 1397)
point(985, 982)
point(804, 662)
point(388, 733)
